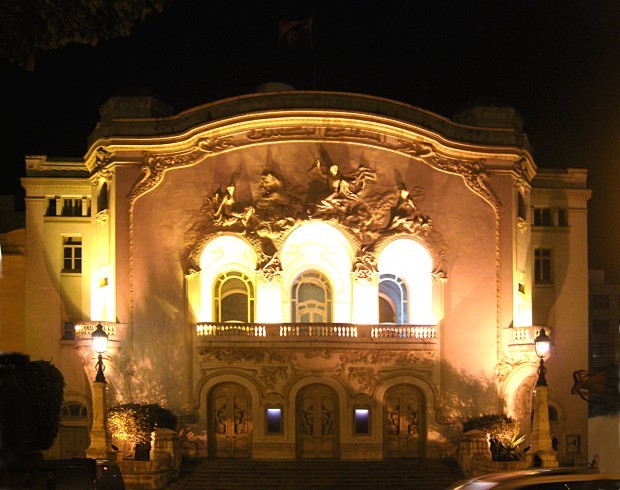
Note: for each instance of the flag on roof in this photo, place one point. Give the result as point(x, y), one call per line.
point(295, 34)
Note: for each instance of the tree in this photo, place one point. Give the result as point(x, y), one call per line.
point(31, 396)
point(31, 26)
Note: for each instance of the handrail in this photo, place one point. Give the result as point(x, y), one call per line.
point(305, 330)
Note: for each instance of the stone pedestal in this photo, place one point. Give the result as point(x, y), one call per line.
point(474, 451)
point(541, 446)
point(100, 440)
point(165, 444)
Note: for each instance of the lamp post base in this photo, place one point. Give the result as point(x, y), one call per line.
point(100, 440)
point(543, 459)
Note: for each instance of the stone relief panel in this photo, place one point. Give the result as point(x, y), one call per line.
point(366, 212)
point(274, 368)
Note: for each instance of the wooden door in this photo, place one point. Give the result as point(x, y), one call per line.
point(403, 423)
point(73, 441)
point(317, 422)
point(230, 425)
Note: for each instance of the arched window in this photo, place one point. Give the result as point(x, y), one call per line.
point(233, 298)
point(392, 299)
point(311, 298)
point(73, 410)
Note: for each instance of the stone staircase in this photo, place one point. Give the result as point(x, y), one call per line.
point(231, 474)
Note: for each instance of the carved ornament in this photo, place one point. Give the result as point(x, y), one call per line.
point(100, 166)
point(352, 202)
point(366, 377)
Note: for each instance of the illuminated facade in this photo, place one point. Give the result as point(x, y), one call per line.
point(309, 275)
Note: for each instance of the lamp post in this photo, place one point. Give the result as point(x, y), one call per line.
point(541, 446)
point(100, 441)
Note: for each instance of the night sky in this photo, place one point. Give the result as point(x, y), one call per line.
point(556, 62)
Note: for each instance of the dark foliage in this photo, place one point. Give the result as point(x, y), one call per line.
point(31, 396)
point(47, 393)
point(31, 26)
point(503, 435)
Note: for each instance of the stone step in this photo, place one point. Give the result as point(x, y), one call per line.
point(227, 474)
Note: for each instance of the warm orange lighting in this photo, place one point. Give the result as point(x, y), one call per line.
point(410, 261)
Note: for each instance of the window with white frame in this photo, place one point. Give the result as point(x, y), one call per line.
point(392, 299)
point(542, 266)
point(233, 298)
point(311, 298)
point(72, 254)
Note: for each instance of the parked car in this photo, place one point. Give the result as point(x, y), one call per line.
point(542, 479)
point(65, 474)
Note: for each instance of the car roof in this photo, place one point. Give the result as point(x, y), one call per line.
point(533, 476)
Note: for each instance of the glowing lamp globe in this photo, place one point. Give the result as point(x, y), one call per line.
point(100, 340)
point(542, 343)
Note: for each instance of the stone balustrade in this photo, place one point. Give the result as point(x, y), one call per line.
point(209, 331)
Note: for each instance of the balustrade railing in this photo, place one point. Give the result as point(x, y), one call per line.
point(322, 330)
point(524, 335)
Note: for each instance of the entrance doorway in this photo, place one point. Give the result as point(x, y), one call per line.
point(317, 422)
point(404, 429)
point(73, 434)
point(229, 421)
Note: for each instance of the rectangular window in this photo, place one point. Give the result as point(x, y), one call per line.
point(274, 420)
point(600, 326)
point(595, 351)
point(600, 301)
point(562, 217)
point(361, 421)
point(72, 254)
point(72, 206)
point(543, 217)
point(542, 266)
point(69, 332)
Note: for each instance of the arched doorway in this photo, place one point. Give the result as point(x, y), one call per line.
point(73, 433)
point(317, 422)
point(404, 425)
point(229, 417)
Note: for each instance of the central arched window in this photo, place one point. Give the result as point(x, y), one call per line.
point(311, 299)
point(233, 298)
point(392, 299)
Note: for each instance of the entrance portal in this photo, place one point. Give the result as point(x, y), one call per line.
point(229, 419)
point(404, 428)
point(317, 422)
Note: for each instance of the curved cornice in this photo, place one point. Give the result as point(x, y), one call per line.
point(177, 127)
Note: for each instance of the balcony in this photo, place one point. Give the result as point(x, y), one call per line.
point(84, 335)
point(338, 335)
point(521, 339)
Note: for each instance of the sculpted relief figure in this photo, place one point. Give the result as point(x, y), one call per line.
point(370, 212)
point(345, 190)
point(405, 215)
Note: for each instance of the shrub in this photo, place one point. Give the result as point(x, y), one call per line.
point(134, 422)
point(503, 432)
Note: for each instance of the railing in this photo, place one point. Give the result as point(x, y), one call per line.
point(321, 330)
point(87, 328)
point(524, 335)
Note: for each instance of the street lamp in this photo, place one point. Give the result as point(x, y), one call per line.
point(542, 447)
point(100, 345)
point(542, 344)
point(100, 441)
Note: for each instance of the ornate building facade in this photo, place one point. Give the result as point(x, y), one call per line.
point(309, 275)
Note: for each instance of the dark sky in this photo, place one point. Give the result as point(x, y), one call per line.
point(556, 62)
